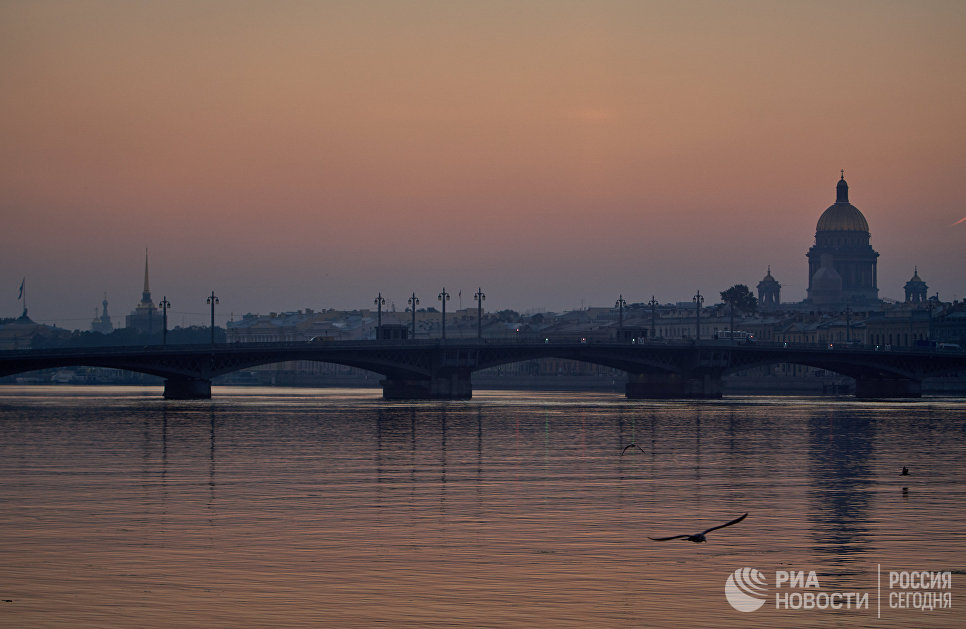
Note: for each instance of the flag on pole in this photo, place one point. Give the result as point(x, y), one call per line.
point(20, 296)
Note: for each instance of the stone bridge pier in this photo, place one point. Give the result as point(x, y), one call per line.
point(885, 387)
point(450, 384)
point(187, 389)
point(445, 374)
point(670, 385)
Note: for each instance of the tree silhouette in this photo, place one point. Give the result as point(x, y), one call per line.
point(741, 298)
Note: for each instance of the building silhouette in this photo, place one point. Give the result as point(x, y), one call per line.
point(842, 263)
point(916, 289)
point(102, 322)
point(769, 292)
point(145, 317)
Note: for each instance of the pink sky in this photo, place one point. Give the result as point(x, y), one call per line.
point(554, 153)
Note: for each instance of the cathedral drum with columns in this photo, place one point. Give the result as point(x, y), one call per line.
point(842, 263)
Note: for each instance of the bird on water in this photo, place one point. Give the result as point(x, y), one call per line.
point(700, 537)
point(905, 471)
point(633, 445)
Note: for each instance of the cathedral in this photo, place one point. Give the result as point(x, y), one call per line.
point(102, 322)
point(842, 263)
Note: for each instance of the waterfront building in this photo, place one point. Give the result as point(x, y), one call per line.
point(23, 333)
point(897, 327)
point(950, 325)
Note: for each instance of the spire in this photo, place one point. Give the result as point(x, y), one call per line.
point(147, 289)
point(146, 294)
point(842, 190)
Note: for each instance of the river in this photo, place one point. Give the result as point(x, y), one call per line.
point(268, 507)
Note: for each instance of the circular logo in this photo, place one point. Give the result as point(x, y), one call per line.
point(746, 589)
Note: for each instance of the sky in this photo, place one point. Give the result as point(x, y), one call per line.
point(556, 154)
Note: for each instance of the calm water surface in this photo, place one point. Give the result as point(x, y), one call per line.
point(334, 508)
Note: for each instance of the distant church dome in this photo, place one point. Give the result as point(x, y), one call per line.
point(842, 216)
point(769, 291)
point(916, 289)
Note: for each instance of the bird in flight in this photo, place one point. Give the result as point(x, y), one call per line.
point(700, 537)
point(633, 445)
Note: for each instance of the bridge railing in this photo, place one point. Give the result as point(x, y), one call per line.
point(519, 339)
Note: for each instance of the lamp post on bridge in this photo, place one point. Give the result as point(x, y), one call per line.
point(698, 300)
point(479, 297)
point(443, 297)
point(380, 301)
point(212, 300)
point(653, 304)
point(848, 324)
point(413, 301)
point(165, 304)
point(620, 315)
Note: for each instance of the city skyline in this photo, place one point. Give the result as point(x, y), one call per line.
point(556, 154)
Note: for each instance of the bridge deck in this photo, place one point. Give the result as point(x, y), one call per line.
point(443, 369)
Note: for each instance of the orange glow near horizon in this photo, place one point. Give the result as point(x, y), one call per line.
point(556, 153)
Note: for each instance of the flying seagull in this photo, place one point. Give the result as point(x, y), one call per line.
point(633, 445)
point(699, 537)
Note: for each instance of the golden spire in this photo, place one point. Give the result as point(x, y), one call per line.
point(147, 289)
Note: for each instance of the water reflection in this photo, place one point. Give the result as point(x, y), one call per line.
point(840, 450)
point(335, 509)
point(211, 464)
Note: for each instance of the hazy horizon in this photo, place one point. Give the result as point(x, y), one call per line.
point(557, 154)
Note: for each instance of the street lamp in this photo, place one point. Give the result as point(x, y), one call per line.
point(165, 304)
point(413, 302)
point(212, 300)
point(380, 301)
point(653, 304)
point(848, 324)
point(698, 300)
point(443, 297)
point(620, 314)
point(479, 297)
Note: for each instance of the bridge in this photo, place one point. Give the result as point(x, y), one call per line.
point(438, 369)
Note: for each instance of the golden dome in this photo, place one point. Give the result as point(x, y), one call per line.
point(842, 216)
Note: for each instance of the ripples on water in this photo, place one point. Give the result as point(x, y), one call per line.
point(278, 508)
